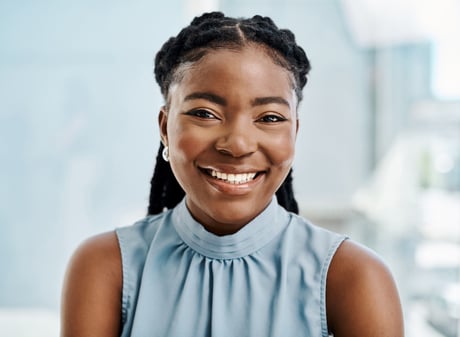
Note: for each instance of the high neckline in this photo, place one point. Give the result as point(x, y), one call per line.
point(250, 238)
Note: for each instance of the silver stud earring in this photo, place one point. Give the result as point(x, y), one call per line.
point(165, 153)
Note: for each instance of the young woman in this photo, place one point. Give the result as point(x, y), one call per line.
point(222, 251)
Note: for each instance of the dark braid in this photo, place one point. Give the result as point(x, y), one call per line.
point(213, 31)
point(205, 33)
point(285, 195)
point(165, 191)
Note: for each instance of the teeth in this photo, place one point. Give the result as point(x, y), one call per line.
point(233, 178)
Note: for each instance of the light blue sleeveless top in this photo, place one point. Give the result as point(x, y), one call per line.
point(266, 280)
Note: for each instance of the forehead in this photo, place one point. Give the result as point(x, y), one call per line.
point(250, 69)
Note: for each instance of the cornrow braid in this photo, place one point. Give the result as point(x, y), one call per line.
point(212, 31)
point(165, 191)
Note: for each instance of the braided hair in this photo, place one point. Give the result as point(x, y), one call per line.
point(205, 33)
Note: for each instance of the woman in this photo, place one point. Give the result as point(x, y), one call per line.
point(222, 252)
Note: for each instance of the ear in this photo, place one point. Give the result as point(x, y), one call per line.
point(163, 125)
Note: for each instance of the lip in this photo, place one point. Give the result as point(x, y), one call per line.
point(229, 188)
point(231, 169)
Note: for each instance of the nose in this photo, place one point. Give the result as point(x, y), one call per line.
point(237, 139)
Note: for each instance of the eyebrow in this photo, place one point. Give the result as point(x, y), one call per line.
point(206, 96)
point(222, 101)
point(269, 100)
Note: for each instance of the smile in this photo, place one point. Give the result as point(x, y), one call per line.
point(233, 178)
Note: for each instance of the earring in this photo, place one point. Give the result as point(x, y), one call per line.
point(165, 153)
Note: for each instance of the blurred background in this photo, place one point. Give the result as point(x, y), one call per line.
point(378, 154)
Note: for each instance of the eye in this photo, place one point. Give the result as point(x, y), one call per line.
point(271, 118)
point(202, 113)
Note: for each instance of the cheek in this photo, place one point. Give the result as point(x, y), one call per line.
point(185, 145)
point(282, 149)
point(183, 151)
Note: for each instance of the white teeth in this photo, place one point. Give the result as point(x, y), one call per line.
point(234, 178)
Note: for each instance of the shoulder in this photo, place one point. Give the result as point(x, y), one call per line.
point(312, 239)
point(91, 298)
point(99, 254)
point(139, 235)
point(361, 295)
point(300, 224)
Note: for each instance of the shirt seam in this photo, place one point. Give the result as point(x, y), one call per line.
point(324, 270)
point(125, 279)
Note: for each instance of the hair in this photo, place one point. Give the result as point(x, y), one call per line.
point(208, 32)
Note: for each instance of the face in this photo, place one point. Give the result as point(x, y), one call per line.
point(230, 125)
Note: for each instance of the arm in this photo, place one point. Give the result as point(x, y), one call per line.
point(91, 298)
point(361, 296)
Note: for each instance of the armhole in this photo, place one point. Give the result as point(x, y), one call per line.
point(324, 271)
point(125, 279)
point(134, 243)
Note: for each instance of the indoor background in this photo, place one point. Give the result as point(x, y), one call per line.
point(378, 153)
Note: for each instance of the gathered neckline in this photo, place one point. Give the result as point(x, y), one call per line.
point(249, 239)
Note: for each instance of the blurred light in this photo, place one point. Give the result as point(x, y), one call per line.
point(29, 323)
point(446, 68)
point(380, 23)
point(438, 255)
point(385, 23)
point(444, 163)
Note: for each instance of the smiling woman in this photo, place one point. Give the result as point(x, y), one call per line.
point(222, 251)
point(232, 114)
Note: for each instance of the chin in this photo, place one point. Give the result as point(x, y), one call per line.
point(232, 220)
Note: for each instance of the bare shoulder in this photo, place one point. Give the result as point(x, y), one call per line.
point(91, 297)
point(361, 295)
point(101, 251)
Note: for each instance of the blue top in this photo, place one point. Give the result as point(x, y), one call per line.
point(266, 280)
